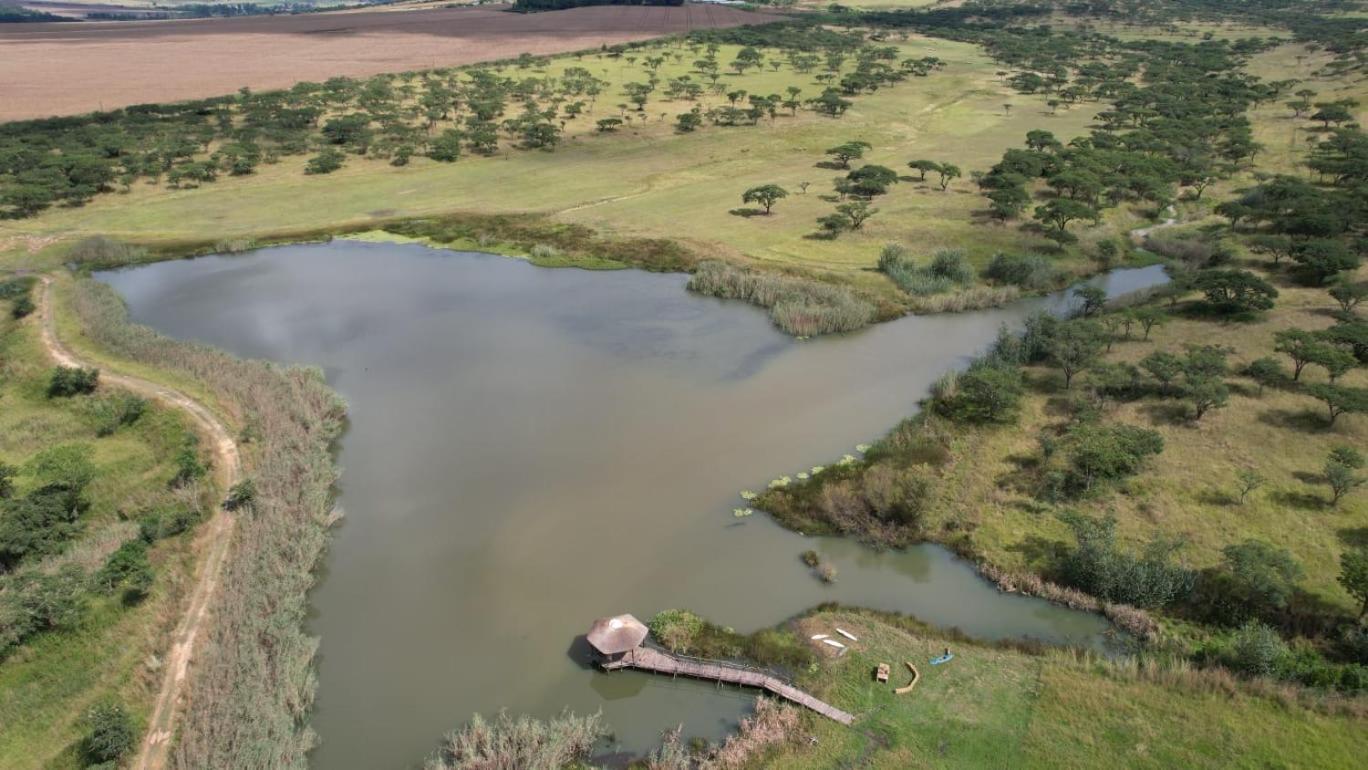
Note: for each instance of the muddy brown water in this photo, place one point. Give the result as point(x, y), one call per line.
point(531, 449)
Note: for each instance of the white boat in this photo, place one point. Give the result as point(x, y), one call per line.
point(847, 635)
point(833, 643)
point(820, 636)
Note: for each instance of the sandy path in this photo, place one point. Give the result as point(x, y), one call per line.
point(212, 541)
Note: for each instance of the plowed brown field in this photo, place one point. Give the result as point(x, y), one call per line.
point(64, 69)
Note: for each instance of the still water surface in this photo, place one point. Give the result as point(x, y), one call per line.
point(531, 449)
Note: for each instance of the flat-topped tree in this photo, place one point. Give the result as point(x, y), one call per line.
point(923, 166)
point(766, 195)
point(848, 151)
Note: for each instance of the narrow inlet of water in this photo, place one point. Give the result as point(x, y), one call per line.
point(531, 449)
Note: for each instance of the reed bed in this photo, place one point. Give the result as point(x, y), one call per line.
point(253, 682)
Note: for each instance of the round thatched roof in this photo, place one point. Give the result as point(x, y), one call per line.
point(611, 636)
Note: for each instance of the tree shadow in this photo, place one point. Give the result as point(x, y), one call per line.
point(1302, 420)
point(1040, 551)
point(1168, 413)
point(831, 165)
point(747, 212)
point(820, 236)
point(1214, 496)
point(1355, 537)
point(1305, 501)
point(1306, 477)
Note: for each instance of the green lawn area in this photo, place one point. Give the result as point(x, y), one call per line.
point(997, 708)
point(647, 180)
point(47, 684)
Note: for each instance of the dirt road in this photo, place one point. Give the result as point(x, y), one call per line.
point(212, 541)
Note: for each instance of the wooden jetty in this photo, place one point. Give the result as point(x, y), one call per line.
point(660, 662)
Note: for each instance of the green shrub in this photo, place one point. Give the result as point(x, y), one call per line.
point(951, 265)
point(32, 602)
point(325, 162)
point(1026, 271)
point(109, 735)
point(1092, 454)
point(67, 381)
point(158, 525)
point(242, 495)
point(1256, 650)
point(22, 307)
point(129, 568)
point(116, 411)
point(1255, 580)
point(986, 392)
point(947, 270)
point(676, 629)
point(1098, 566)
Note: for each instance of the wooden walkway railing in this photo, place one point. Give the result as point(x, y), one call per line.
point(660, 662)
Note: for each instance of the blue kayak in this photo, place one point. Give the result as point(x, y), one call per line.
point(939, 659)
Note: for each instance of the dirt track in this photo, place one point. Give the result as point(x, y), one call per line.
point(65, 69)
point(212, 541)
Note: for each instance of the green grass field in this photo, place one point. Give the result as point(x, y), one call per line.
point(47, 684)
point(647, 180)
point(996, 708)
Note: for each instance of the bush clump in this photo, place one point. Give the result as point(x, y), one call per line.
point(1090, 455)
point(1025, 271)
point(947, 270)
point(67, 381)
point(1098, 566)
point(109, 734)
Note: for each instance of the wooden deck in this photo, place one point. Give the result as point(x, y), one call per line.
point(659, 662)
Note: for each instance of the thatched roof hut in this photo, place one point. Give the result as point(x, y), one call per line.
point(616, 635)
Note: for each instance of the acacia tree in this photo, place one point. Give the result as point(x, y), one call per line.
point(1061, 211)
point(1341, 472)
point(1349, 295)
point(1299, 345)
point(1354, 576)
point(1339, 400)
point(1205, 394)
point(1235, 291)
point(923, 166)
point(848, 151)
point(948, 171)
point(1075, 347)
point(766, 195)
point(857, 212)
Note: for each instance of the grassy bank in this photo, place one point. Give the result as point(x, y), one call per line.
point(995, 706)
point(257, 660)
point(102, 646)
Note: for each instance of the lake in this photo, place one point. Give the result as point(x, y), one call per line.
point(531, 449)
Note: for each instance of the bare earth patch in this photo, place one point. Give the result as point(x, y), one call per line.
point(66, 69)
